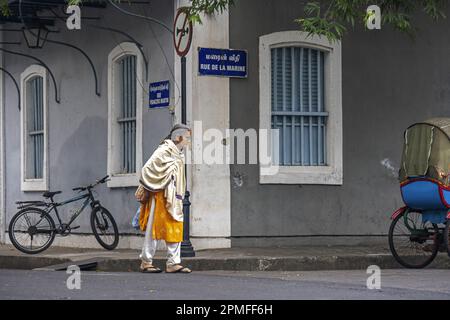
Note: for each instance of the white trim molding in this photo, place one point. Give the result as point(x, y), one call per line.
point(332, 173)
point(2, 152)
point(33, 184)
point(118, 179)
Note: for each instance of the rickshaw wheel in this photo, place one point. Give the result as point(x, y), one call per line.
point(413, 244)
point(447, 236)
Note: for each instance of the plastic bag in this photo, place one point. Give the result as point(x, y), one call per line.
point(135, 221)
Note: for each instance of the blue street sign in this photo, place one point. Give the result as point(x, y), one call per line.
point(159, 94)
point(222, 62)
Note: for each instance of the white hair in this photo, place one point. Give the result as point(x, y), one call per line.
point(178, 133)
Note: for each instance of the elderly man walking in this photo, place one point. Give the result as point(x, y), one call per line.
point(161, 192)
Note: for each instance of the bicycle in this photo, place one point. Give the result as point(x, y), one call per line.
point(34, 223)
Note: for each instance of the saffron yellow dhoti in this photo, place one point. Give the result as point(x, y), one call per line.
point(165, 227)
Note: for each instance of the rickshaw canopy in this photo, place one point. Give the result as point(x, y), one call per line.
point(426, 151)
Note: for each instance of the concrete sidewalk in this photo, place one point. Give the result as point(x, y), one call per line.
point(233, 259)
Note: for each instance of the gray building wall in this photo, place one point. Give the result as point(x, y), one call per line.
point(389, 82)
point(78, 126)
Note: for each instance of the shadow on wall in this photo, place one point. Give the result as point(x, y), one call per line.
point(82, 157)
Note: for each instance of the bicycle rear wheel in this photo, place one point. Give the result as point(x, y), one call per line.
point(413, 242)
point(31, 230)
point(447, 237)
point(105, 228)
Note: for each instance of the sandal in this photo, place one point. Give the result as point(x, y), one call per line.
point(149, 269)
point(178, 269)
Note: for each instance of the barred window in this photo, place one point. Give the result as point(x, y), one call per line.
point(125, 104)
point(127, 119)
point(35, 128)
point(34, 173)
point(298, 108)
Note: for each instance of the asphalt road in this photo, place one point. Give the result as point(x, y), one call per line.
point(395, 284)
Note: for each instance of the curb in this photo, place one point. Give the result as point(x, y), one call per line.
point(301, 263)
point(309, 263)
point(28, 262)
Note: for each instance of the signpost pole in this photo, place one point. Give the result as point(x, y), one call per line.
point(187, 250)
point(183, 89)
point(182, 37)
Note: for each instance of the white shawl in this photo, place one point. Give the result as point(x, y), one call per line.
point(165, 171)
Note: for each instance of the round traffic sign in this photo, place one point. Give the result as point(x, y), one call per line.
point(182, 32)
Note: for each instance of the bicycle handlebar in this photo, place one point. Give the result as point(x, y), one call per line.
point(102, 180)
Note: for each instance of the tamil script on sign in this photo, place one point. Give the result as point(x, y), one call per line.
point(223, 62)
point(159, 94)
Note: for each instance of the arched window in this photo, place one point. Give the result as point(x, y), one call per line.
point(301, 97)
point(125, 103)
point(34, 129)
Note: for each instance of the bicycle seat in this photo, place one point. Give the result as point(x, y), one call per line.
point(49, 194)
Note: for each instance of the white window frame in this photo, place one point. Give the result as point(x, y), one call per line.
point(33, 184)
point(332, 174)
point(129, 179)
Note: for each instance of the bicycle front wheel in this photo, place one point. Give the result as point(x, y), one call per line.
point(414, 243)
point(31, 230)
point(105, 228)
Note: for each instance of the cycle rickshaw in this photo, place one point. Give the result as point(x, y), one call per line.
point(420, 229)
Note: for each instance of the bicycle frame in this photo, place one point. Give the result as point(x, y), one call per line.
point(89, 200)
